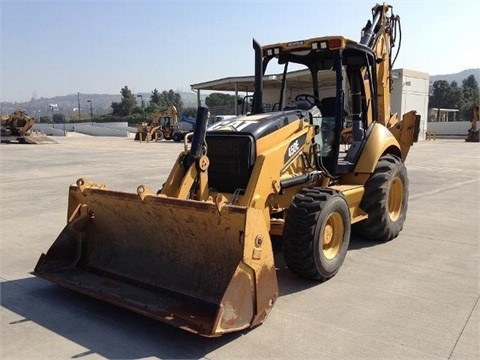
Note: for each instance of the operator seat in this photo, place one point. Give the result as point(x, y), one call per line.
point(300, 105)
point(304, 104)
point(327, 107)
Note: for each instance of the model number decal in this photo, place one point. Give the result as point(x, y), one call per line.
point(294, 147)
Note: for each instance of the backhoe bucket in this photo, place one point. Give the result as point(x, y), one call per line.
point(199, 266)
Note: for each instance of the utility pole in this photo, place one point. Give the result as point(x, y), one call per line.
point(91, 110)
point(79, 115)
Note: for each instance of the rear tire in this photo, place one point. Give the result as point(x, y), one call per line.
point(385, 201)
point(317, 233)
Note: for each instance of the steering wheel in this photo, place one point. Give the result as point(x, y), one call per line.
point(308, 97)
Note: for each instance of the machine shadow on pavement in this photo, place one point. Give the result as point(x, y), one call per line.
point(95, 325)
point(357, 243)
point(103, 329)
point(112, 332)
point(289, 283)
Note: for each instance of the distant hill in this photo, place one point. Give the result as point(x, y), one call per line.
point(101, 103)
point(458, 77)
point(68, 104)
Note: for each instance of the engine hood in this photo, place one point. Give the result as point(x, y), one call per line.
point(257, 125)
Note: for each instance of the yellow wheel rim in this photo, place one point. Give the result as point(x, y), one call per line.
point(395, 199)
point(332, 237)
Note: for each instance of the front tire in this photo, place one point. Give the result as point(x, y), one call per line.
point(385, 200)
point(317, 233)
point(159, 136)
point(177, 137)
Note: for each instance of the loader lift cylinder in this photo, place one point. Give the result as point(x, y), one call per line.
point(199, 134)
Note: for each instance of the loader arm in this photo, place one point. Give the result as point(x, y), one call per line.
point(189, 178)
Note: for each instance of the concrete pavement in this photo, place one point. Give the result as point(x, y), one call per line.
point(415, 297)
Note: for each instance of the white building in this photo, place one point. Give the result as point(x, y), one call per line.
point(410, 92)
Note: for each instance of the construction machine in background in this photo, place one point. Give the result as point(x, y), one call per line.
point(160, 126)
point(181, 129)
point(473, 133)
point(17, 128)
point(245, 180)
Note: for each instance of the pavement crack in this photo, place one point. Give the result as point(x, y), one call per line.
point(464, 326)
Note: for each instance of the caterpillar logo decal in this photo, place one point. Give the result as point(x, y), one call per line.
point(294, 147)
point(232, 125)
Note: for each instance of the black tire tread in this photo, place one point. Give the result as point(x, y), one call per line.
point(299, 232)
point(378, 225)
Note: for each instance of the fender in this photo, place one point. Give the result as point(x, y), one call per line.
point(379, 141)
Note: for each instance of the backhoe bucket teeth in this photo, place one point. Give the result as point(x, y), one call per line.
point(195, 265)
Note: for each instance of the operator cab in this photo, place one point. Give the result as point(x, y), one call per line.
point(352, 68)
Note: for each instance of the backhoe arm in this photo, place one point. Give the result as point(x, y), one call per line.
point(379, 34)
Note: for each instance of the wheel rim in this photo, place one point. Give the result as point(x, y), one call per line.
point(332, 237)
point(395, 199)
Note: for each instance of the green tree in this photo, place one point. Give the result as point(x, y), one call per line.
point(190, 112)
point(58, 118)
point(451, 96)
point(440, 94)
point(45, 119)
point(138, 111)
point(471, 96)
point(470, 90)
point(127, 105)
point(152, 109)
point(155, 97)
point(170, 98)
point(455, 99)
point(445, 95)
point(220, 99)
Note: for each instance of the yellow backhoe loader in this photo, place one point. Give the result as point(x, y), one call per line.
point(473, 133)
point(160, 126)
point(245, 180)
point(17, 128)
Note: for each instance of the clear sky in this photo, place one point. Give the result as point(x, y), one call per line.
point(60, 47)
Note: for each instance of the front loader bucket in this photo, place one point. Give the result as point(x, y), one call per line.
point(38, 139)
point(195, 265)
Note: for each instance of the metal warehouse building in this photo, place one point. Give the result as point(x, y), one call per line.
point(410, 89)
